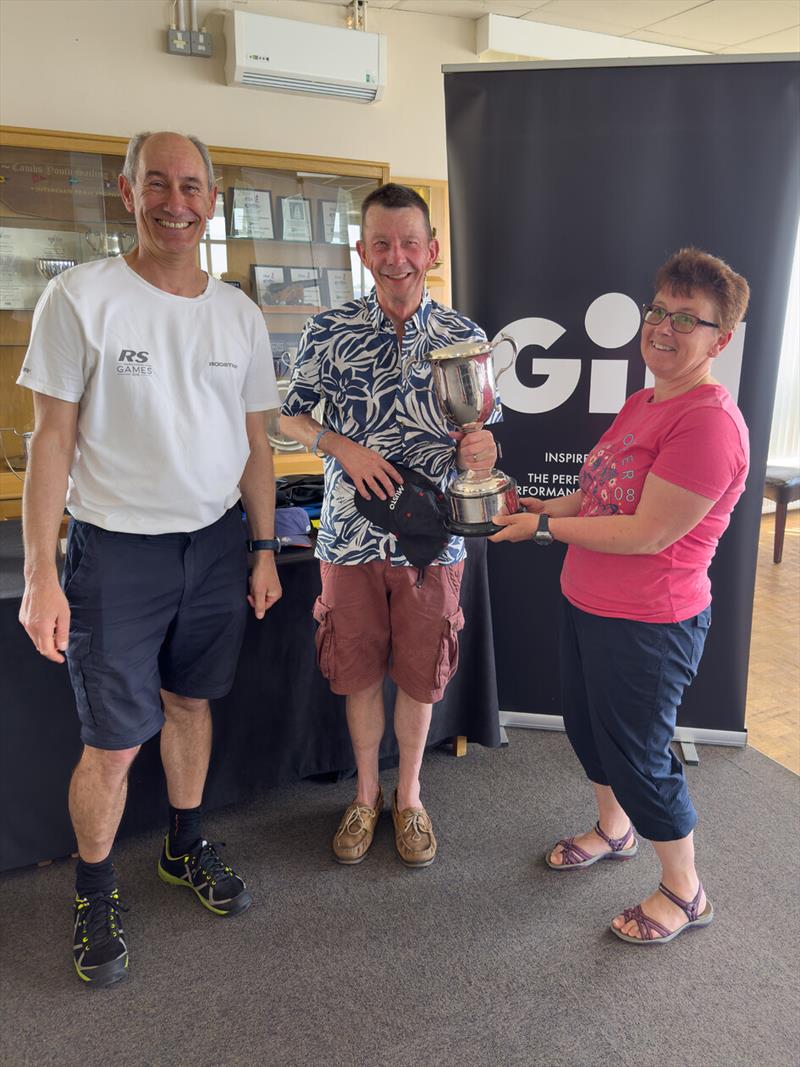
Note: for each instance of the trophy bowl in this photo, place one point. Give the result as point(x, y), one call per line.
point(465, 386)
point(111, 243)
point(50, 268)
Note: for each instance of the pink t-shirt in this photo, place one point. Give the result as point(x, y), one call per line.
point(698, 441)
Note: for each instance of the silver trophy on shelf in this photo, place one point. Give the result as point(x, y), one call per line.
point(112, 243)
point(49, 268)
point(464, 381)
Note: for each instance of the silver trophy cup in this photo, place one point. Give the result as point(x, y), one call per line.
point(110, 244)
point(464, 381)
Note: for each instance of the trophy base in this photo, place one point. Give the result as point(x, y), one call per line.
point(472, 529)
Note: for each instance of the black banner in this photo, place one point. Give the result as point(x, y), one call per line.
point(569, 186)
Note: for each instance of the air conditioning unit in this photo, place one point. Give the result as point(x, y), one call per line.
point(303, 57)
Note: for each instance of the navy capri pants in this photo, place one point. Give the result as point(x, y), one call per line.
point(622, 682)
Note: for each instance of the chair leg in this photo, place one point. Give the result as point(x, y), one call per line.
point(780, 528)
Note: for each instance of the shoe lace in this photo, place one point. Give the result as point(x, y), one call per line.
point(418, 823)
point(209, 862)
point(355, 820)
point(101, 921)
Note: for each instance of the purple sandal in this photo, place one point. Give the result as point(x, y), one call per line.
point(652, 932)
point(575, 857)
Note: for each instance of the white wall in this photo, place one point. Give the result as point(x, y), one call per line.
point(100, 66)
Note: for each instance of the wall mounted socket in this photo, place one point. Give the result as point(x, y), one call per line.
point(202, 44)
point(179, 43)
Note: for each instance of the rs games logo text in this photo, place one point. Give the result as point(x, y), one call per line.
point(132, 363)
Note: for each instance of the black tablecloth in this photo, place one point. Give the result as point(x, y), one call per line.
point(279, 723)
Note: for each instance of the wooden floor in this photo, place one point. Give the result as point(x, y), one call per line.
point(773, 692)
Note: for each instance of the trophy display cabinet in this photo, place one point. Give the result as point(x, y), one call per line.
point(284, 232)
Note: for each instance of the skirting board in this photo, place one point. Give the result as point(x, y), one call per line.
point(694, 734)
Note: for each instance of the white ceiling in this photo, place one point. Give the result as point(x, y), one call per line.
point(739, 26)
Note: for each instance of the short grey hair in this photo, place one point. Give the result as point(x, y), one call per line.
point(131, 165)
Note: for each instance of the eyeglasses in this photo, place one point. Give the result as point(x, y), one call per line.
point(680, 321)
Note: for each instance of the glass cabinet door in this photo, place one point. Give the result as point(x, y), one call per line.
point(57, 209)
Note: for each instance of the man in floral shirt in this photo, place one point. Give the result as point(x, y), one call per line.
point(377, 612)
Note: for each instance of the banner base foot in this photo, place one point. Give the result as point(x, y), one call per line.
point(691, 735)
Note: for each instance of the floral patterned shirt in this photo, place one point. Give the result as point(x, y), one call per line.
point(379, 393)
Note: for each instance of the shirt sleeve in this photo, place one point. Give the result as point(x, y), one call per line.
point(305, 389)
point(57, 358)
point(702, 453)
point(260, 392)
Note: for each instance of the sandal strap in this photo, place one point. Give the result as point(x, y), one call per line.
point(571, 853)
point(647, 926)
point(690, 907)
point(616, 844)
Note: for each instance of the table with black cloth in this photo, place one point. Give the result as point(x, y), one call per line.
point(279, 723)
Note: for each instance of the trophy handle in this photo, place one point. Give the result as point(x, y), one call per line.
point(514, 349)
point(128, 239)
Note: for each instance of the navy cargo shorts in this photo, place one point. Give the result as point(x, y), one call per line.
point(151, 612)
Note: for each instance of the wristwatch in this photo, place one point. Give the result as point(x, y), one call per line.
point(543, 535)
point(270, 545)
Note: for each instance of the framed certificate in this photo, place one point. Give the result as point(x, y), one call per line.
point(250, 214)
point(305, 285)
point(268, 284)
point(296, 218)
point(340, 287)
point(334, 223)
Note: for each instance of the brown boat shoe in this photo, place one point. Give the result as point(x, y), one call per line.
point(413, 835)
point(354, 836)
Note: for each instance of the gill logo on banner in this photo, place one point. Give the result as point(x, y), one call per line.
point(611, 321)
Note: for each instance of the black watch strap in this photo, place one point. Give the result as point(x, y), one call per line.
point(543, 535)
point(271, 545)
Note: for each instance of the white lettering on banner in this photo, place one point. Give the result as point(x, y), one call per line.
point(611, 321)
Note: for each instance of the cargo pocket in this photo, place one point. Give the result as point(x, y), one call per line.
point(323, 639)
point(78, 650)
point(448, 649)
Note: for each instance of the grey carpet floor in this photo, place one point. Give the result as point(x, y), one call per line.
point(485, 958)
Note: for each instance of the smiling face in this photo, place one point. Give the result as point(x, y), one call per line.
point(169, 198)
point(680, 361)
point(398, 250)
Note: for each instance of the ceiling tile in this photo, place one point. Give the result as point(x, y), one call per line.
point(623, 15)
point(784, 41)
point(677, 41)
point(732, 21)
point(573, 22)
point(467, 9)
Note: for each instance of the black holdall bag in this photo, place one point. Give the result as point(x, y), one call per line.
point(415, 514)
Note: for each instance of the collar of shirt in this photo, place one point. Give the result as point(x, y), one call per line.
point(383, 324)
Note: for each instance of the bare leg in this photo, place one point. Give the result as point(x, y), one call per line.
point(678, 874)
point(365, 721)
point(412, 721)
point(185, 748)
point(613, 822)
point(97, 795)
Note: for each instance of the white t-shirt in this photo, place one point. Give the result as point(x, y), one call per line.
point(163, 383)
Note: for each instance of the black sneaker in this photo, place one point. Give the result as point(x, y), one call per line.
point(99, 950)
point(217, 887)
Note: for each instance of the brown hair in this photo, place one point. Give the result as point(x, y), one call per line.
point(690, 270)
point(392, 195)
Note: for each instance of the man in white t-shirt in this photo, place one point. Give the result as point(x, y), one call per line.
point(151, 380)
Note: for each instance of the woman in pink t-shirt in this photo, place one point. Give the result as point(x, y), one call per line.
point(656, 494)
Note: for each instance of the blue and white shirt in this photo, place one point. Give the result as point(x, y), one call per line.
point(378, 393)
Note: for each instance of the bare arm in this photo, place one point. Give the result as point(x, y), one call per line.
point(666, 512)
point(257, 485)
point(44, 612)
point(370, 472)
